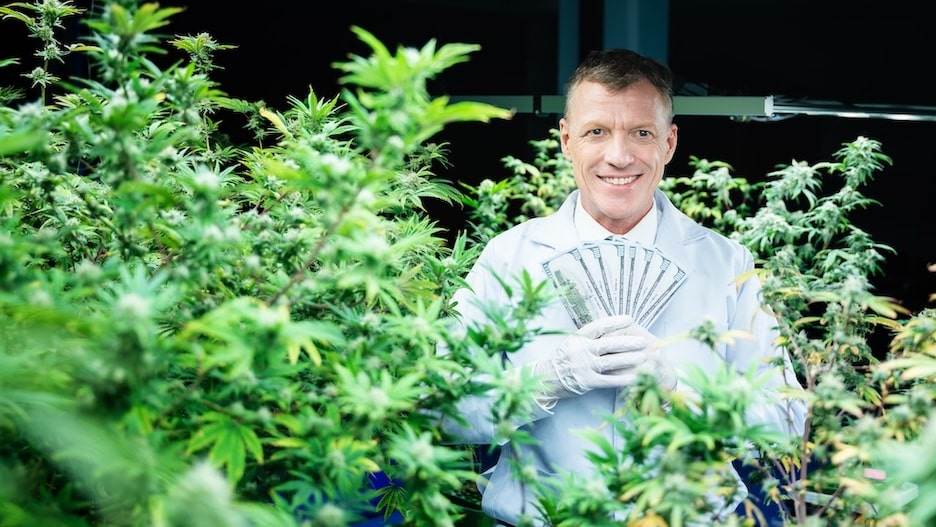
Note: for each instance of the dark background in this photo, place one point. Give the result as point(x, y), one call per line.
point(860, 52)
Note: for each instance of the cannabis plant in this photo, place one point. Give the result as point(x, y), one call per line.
point(199, 332)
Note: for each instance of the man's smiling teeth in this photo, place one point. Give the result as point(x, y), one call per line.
point(620, 180)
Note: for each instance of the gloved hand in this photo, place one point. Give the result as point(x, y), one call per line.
point(605, 353)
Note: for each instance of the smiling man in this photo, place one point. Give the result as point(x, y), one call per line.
point(618, 132)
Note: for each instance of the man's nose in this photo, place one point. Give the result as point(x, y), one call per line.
point(619, 151)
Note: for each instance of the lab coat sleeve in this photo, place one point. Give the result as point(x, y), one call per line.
point(482, 288)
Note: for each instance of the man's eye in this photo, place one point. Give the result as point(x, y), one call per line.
point(594, 131)
point(644, 133)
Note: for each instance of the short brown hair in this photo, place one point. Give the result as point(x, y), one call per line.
point(617, 69)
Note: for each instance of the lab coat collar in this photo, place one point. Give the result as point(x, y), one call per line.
point(675, 231)
point(589, 229)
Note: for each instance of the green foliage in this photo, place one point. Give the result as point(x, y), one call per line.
point(712, 195)
point(42, 19)
point(194, 332)
point(534, 189)
point(686, 443)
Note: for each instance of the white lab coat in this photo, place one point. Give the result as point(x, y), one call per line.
point(713, 264)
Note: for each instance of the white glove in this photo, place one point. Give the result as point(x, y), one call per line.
point(605, 353)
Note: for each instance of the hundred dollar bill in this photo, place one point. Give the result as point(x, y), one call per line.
point(578, 288)
point(628, 267)
point(658, 302)
point(644, 269)
point(601, 260)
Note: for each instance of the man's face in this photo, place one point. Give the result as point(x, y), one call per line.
point(619, 144)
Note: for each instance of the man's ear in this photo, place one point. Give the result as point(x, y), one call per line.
point(564, 136)
point(671, 141)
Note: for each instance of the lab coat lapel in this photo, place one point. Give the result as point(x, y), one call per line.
point(676, 234)
point(557, 231)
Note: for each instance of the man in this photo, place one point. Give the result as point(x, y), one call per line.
point(619, 135)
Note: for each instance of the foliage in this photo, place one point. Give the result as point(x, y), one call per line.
point(196, 332)
point(534, 189)
point(817, 268)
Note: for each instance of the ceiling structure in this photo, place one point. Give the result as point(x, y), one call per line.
point(644, 26)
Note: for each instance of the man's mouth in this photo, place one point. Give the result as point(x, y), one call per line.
point(620, 180)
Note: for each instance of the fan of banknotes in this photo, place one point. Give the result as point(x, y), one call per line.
point(613, 277)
